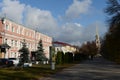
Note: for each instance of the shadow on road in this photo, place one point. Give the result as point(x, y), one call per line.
point(96, 69)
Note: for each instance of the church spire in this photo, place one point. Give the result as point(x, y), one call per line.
point(97, 39)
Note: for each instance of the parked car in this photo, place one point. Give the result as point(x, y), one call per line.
point(4, 61)
point(15, 61)
point(27, 64)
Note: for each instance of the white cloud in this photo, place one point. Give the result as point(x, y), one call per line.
point(42, 20)
point(77, 24)
point(76, 34)
point(70, 32)
point(77, 8)
point(89, 32)
point(13, 9)
point(78, 43)
point(32, 17)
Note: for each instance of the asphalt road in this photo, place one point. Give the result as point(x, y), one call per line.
point(96, 69)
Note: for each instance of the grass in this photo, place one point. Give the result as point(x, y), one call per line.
point(30, 73)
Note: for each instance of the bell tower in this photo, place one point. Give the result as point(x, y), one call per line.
point(97, 40)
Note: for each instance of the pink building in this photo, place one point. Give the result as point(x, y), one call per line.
point(13, 34)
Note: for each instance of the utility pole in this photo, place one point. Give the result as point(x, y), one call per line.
point(34, 57)
point(52, 54)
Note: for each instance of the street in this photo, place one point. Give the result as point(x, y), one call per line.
point(96, 69)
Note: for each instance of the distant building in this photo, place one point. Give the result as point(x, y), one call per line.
point(13, 34)
point(65, 47)
point(97, 41)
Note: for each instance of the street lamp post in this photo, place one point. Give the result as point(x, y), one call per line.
point(52, 56)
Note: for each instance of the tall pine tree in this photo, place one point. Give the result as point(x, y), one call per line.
point(40, 52)
point(24, 56)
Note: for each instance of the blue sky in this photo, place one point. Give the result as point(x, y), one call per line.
point(72, 21)
point(58, 7)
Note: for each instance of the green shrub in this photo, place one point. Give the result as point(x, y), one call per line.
point(68, 58)
point(60, 57)
point(77, 57)
point(80, 57)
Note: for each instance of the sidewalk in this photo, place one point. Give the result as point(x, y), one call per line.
point(98, 69)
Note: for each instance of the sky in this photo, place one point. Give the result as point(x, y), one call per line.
point(70, 21)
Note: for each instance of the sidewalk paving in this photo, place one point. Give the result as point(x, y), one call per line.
point(97, 69)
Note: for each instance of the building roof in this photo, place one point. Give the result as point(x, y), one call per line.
point(61, 43)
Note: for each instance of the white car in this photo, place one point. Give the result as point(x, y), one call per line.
point(15, 61)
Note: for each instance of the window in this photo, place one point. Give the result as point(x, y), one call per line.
point(11, 42)
point(6, 27)
point(22, 31)
point(26, 33)
point(12, 54)
point(5, 40)
point(16, 43)
point(29, 45)
point(20, 43)
point(17, 31)
point(12, 29)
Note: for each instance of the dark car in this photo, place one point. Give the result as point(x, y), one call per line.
point(4, 61)
point(15, 61)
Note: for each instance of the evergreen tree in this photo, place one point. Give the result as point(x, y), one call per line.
point(60, 57)
point(68, 57)
point(40, 52)
point(24, 56)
